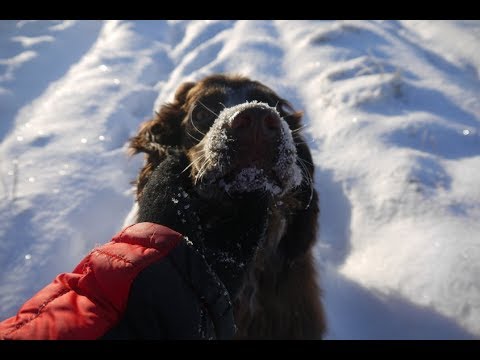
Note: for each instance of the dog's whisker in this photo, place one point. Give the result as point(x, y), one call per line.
point(201, 151)
point(206, 107)
point(309, 142)
point(205, 168)
point(306, 161)
point(190, 115)
point(276, 106)
point(200, 158)
point(304, 168)
point(308, 179)
point(202, 170)
point(299, 128)
point(193, 137)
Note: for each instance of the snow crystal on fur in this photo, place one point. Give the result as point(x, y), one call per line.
point(251, 178)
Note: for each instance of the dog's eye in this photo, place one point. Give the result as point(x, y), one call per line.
point(203, 117)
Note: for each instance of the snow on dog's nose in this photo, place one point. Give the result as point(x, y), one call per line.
point(259, 120)
point(248, 148)
point(255, 130)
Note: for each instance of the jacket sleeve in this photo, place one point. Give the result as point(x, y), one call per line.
point(112, 283)
point(177, 298)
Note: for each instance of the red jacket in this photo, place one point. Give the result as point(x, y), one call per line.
point(147, 282)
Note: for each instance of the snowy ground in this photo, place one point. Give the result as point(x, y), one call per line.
point(393, 114)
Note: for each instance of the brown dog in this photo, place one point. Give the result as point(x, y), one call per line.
point(241, 137)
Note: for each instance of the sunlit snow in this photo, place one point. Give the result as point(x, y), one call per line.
point(392, 116)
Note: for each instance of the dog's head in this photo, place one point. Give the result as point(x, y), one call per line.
point(232, 149)
point(239, 135)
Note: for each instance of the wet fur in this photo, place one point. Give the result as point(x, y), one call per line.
point(280, 297)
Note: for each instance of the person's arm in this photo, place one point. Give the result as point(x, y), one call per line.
point(178, 298)
point(147, 283)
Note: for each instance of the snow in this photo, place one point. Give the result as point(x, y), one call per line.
point(393, 121)
point(251, 178)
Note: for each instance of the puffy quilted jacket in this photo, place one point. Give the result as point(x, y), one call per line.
point(148, 282)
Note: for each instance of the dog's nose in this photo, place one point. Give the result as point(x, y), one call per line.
point(259, 120)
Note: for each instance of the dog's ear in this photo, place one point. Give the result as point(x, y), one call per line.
point(164, 130)
point(182, 91)
point(156, 136)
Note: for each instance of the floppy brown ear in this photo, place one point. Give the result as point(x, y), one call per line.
point(164, 129)
point(156, 136)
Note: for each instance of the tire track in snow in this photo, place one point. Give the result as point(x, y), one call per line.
point(242, 47)
point(334, 234)
point(194, 50)
point(81, 174)
point(37, 45)
point(352, 65)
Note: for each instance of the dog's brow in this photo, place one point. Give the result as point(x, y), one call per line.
point(211, 95)
point(235, 96)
